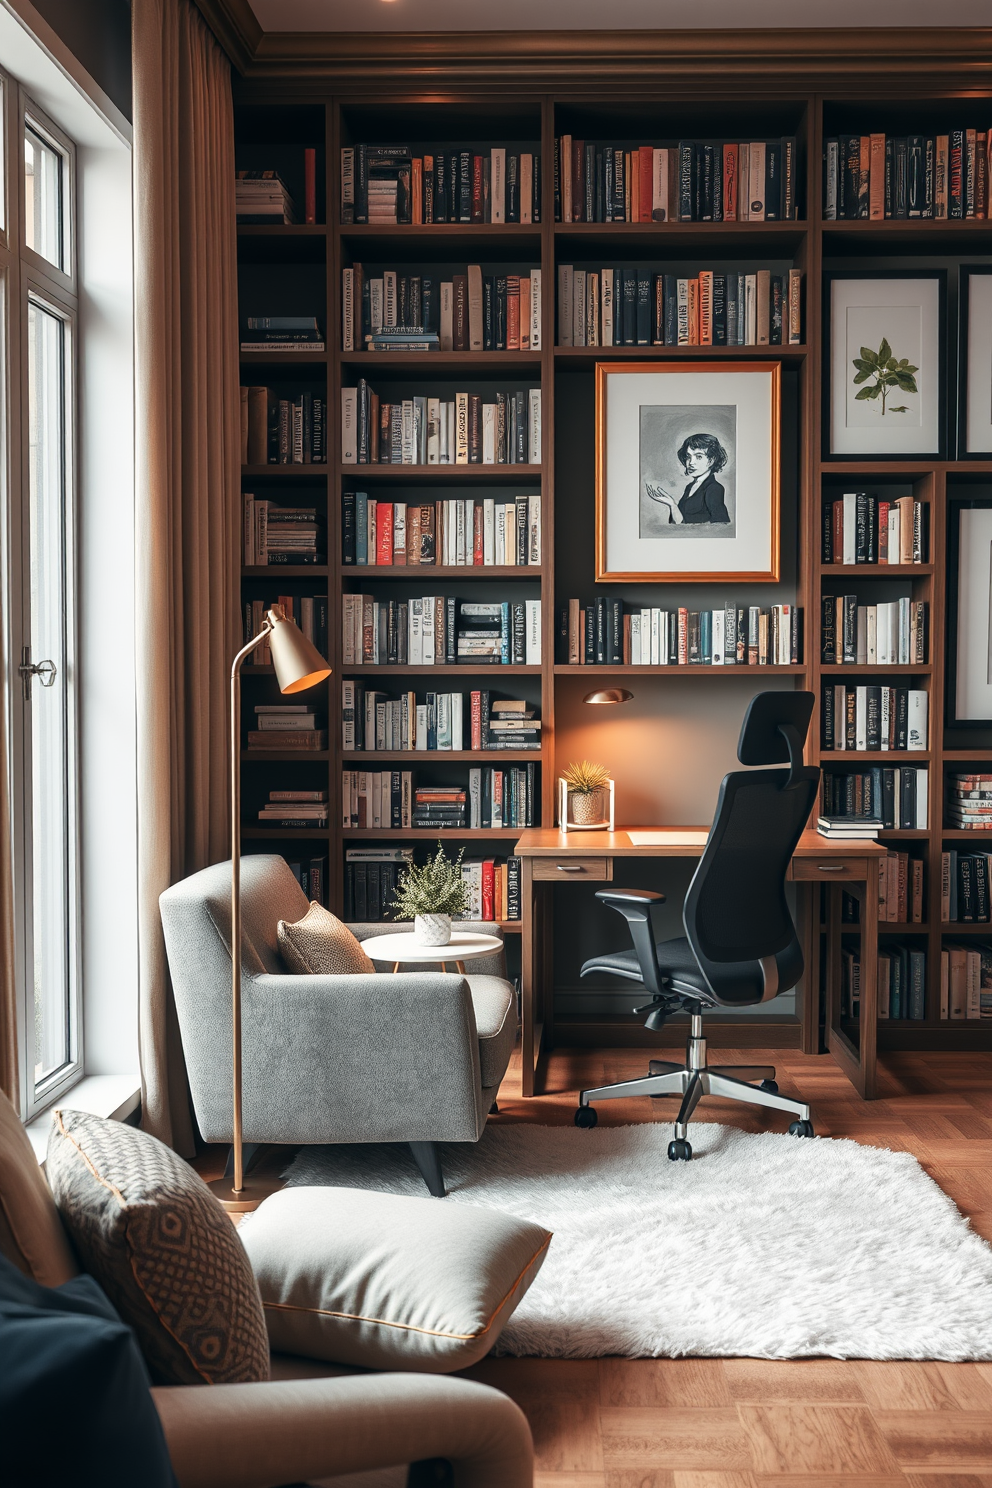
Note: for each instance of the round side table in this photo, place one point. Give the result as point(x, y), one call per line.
point(404, 947)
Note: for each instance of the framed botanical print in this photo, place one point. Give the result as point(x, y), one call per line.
point(975, 434)
point(969, 579)
point(886, 372)
point(687, 471)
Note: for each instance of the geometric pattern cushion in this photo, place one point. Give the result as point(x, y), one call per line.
point(163, 1249)
point(321, 945)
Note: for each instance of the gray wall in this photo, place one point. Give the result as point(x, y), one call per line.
point(98, 33)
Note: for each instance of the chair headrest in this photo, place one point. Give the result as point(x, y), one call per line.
point(775, 728)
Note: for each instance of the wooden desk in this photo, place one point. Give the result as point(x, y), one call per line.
point(550, 856)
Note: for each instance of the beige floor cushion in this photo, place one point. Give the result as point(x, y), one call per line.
point(388, 1282)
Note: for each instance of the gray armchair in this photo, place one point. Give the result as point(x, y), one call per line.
point(415, 1057)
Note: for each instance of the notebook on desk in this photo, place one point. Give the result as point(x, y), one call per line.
point(669, 837)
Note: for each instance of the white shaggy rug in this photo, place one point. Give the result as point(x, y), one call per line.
point(763, 1245)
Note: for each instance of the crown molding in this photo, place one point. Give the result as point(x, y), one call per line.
point(515, 61)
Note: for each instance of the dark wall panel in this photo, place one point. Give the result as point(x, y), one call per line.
point(98, 33)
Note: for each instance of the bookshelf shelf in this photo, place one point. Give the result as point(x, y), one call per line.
point(431, 473)
point(953, 834)
point(862, 669)
point(289, 231)
point(966, 927)
point(586, 356)
point(439, 756)
point(598, 669)
point(527, 363)
point(876, 570)
point(442, 671)
point(283, 756)
point(423, 834)
point(441, 570)
point(877, 756)
point(292, 834)
point(454, 239)
point(284, 359)
point(750, 238)
point(955, 755)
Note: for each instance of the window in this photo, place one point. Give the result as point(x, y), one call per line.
point(40, 308)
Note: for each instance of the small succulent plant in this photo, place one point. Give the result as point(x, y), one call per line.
point(585, 778)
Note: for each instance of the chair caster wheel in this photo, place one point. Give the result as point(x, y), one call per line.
point(586, 1116)
point(802, 1129)
point(770, 1085)
point(679, 1150)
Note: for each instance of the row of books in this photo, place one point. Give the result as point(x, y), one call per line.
point(311, 875)
point(295, 808)
point(465, 430)
point(873, 717)
point(262, 196)
point(902, 981)
point(964, 887)
point(282, 431)
point(274, 534)
point(388, 800)
point(879, 176)
point(638, 307)
point(372, 876)
point(966, 981)
point(372, 721)
point(692, 181)
point(900, 889)
point(439, 631)
point(389, 183)
point(969, 801)
point(602, 632)
point(281, 333)
point(892, 799)
point(309, 611)
point(286, 726)
point(471, 311)
point(454, 533)
point(860, 528)
point(892, 634)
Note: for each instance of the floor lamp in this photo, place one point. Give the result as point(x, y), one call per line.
point(297, 665)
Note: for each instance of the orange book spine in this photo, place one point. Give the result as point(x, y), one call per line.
point(705, 307)
point(417, 191)
point(730, 168)
point(693, 312)
point(384, 534)
point(876, 178)
point(513, 321)
point(645, 155)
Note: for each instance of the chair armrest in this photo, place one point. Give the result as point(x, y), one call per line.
point(616, 897)
point(261, 1435)
point(358, 1058)
point(636, 906)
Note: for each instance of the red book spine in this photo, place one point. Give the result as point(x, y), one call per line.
point(475, 718)
point(310, 185)
point(417, 191)
point(578, 181)
point(384, 534)
point(645, 155)
point(838, 532)
point(477, 548)
point(683, 652)
point(488, 877)
point(883, 532)
point(730, 164)
point(512, 312)
point(478, 196)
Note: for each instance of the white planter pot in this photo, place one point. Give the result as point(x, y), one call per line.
point(432, 929)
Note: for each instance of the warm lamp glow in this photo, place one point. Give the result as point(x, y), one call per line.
point(296, 661)
point(608, 695)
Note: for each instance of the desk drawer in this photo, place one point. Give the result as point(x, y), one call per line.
point(827, 869)
point(571, 869)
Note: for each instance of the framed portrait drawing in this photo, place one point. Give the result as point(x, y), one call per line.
point(969, 577)
point(975, 433)
point(885, 376)
point(687, 471)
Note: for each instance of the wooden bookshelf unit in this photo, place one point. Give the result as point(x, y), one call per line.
point(286, 104)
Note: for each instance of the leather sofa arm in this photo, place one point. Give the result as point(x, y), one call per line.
point(262, 1435)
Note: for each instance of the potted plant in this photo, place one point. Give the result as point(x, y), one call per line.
point(430, 894)
point(586, 785)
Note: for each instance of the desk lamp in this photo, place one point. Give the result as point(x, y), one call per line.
point(297, 665)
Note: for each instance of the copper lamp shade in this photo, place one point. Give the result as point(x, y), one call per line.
point(296, 661)
point(608, 695)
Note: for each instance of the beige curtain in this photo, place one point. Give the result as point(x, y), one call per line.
point(187, 454)
point(9, 1082)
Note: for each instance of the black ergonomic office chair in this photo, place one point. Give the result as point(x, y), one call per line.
point(740, 945)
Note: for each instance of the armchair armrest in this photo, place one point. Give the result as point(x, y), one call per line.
point(636, 906)
point(260, 1435)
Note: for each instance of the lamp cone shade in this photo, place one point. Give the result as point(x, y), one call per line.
point(296, 661)
point(608, 695)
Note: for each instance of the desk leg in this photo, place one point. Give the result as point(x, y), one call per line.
point(869, 989)
point(809, 1003)
point(857, 1060)
point(531, 980)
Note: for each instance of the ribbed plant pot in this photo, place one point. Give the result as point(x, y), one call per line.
point(432, 929)
point(587, 807)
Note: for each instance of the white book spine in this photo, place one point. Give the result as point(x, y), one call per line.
point(489, 531)
point(489, 433)
point(421, 737)
point(534, 531)
point(861, 718)
point(415, 632)
point(922, 799)
point(916, 730)
point(578, 307)
point(635, 640)
point(497, 184)
point(565, 285)
point(475, 797)
point(347, 310)
point(347, 715)
point(904, 630)
point(457, 718)
point(682, 311)
point(717, 634)
point(408, 445)
point(461, 431)
point(536, 311)
point(433, 431)
point(427, 623)
point(510, 535)
point(533, 642)
point(534, 426)
point(349, 426)
point(499, 536)
point(850, 527)
point(389, 299)
point(659, 185)
point(606, 315)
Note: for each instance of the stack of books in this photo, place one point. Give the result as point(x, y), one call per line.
point(859, 528)
point(282, 431)
point(285, 726)
point(311, 875)
point(282, 333)
point(463, 532)
point(966, 981)
point(969, 802)
point(389, 183)
point(892, 634)
point(637, 307)
point(692, 181)
point(464, 430)
point(371, 878)
point(278, 534)
point(471, 311)
point(891, 799)
point(439, 806)
point(295, 808)
point(261, 196)
point(512, 725)
point(964, 886)
point(879, 176)
point(871, 717)
point(846, 828)
point(602, 632)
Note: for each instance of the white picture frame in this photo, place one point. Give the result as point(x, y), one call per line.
point(868, 414)
point(972, 696)
point(977, 342)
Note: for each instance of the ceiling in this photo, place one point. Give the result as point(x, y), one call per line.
point(591, 15)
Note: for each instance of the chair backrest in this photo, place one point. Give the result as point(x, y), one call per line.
point(736, 914)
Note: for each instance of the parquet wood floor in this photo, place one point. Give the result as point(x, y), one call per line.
point(747, 1423)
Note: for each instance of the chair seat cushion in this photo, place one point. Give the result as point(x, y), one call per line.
point(675, 959)
point(495, 1007)
point(388, 1282)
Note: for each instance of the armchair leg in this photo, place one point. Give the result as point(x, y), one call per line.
point(425, 1155)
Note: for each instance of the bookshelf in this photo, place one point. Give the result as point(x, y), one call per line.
point(297, 270)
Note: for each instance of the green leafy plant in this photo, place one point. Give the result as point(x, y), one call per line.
point(888, 374)
point(435, 887)
point(584, 778)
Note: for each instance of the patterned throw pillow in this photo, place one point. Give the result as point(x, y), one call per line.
point(321, 945)
point(158, 1242)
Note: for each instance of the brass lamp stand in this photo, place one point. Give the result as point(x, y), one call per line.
point(297, 665)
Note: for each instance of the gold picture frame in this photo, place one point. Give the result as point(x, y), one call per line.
point(741, 400)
